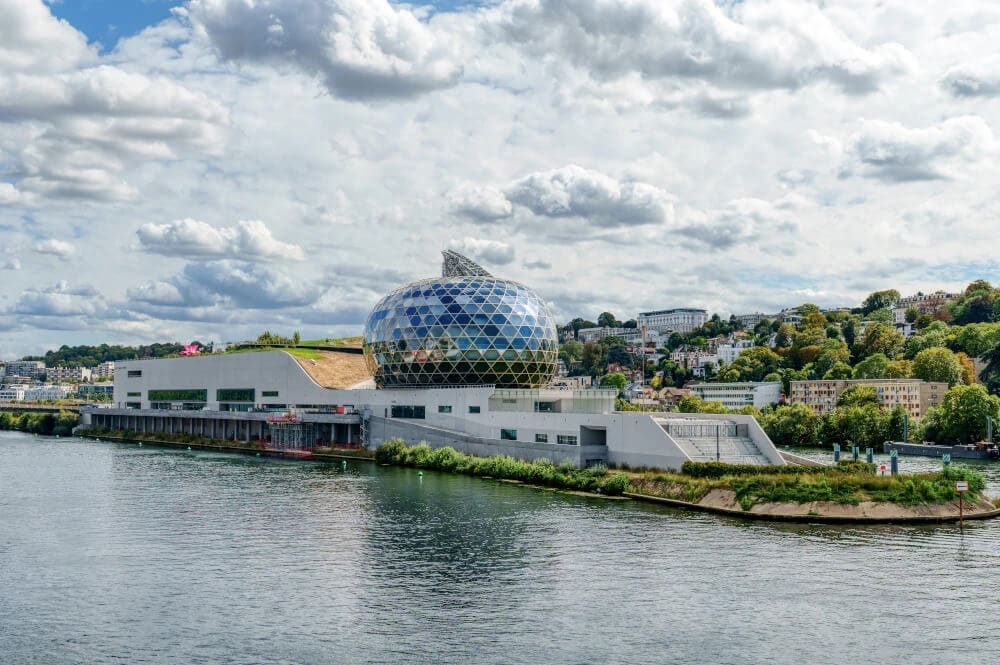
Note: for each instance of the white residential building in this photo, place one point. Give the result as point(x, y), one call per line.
point(748, 321)
point(729, 352)
point(740, 394)
point(681, 320)
point(593, 334)
point(106, 370)
point(12, 393)
point(48, 392)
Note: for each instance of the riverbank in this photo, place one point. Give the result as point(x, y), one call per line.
point(846, 493)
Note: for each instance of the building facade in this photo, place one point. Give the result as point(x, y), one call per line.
point(681, 320)
point(29, 369)
point(737, 395)
point(914, 395)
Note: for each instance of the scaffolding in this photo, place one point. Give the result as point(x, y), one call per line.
point(288, 432)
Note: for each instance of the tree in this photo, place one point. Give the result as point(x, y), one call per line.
point(936, 334)
point(961, 417)
point(883, 315)
point(792, 425)
point(607, 319)
point(911, 314)
point(937, 364)
point(880, 338)
point(899, 369)
point(968, 368)
point(875, 366)
point(858, 396)
point(615, 380)
point(991, 373)
point(879, 300)
point(296, 338)
point(976, 339)
point(756, 362)
point(833, 352)
point(695, 404)
point(850, 331)
point(838, 371)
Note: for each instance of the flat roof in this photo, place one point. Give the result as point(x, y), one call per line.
point(335, 370)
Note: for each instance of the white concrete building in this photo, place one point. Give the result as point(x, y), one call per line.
point(12, 393)
point(739, 394)
point(595, 334)
point(106, 370)
point(78, 374)
point(681, 320)
point(29, 369)
point(236, 396)
point(727, 353)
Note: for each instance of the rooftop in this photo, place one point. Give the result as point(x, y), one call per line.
point(331, 369)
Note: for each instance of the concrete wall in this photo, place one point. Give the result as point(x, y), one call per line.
point(412, 432)
point(637, 440)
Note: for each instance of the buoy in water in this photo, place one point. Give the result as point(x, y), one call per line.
point(140, 444)
point(189, 447)
point(258, 454)
point(420, 473)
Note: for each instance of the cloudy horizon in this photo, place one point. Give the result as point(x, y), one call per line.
point(214, 168)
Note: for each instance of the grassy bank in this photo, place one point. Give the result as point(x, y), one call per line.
point(61, 424)
point(847, 483)
point(540, 472)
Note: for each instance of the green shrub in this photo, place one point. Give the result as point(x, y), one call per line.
point(389, 452)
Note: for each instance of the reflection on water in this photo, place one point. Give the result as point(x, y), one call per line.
point(115, 553)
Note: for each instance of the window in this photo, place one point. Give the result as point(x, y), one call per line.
point(566, 439)
point(138, 394)
point(269, 393)
point(444, 408)
point(235, 394)
point(133, 405)
point(134, 373)
point(473, 409)
point(541, 438)
point(508, 434)
point(416, 412)
point(545, 407)
point(159, 405)
point(184, 395)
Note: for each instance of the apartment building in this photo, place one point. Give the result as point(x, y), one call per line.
point(106, 370)
point(737, 395)
point(681, 319)
point(925, 303)
point(594, 334)
point(748, 321)
point(914, 395)
point(78, 374)
point(29, 369)
point(729, 352)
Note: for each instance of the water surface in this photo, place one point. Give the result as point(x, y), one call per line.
point(112, 553)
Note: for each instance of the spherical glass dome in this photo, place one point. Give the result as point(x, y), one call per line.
point(461, 329)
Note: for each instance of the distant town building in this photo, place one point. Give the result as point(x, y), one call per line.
point(92, 390)
point(739, 394)
point(748, 321)
point(914, 395)
point(729, 352)
point(58, 374)
point(789, 316)
point(106, 370)
point(928, 303)
point(12, 393)
point(573, 382)
point(680, 320)
point(29, 369)
point(594, 334)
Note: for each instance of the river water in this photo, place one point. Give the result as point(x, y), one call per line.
point(112, 553)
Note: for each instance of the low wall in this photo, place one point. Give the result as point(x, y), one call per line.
point(381, 429)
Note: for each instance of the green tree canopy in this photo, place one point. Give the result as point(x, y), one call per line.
point(756, 362)
point(937, 364)
point(858, 396)
point(615, 380)
point(608, 319)
point(791, 425)
point(875, 366)
point(839, 371)
point(879, 300)
point(961, 417)
point(880, 338)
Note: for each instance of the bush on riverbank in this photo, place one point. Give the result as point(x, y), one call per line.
point(33, 422)
point(722, 469)
point(850, 483)
point(540, 472)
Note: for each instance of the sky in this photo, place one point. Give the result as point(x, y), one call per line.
point(209, 169)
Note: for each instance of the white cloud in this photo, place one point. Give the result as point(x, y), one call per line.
point(573, 191)
point(59, 248)
point(891, 152)
point(739, 46)
point(362, 49)
point(11, 264)
point(32, 40)
point(479, 203)
point(978, 79)
point(191, 238)
point(481, 249)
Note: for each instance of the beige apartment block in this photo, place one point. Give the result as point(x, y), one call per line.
point(914, 395)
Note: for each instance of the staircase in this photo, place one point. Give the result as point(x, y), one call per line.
point(703, 440)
